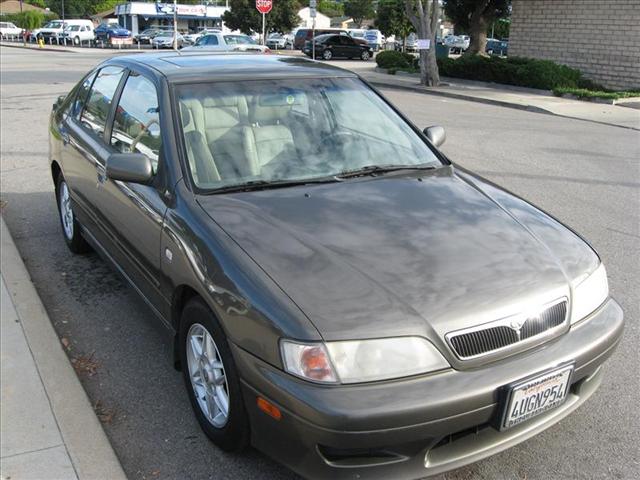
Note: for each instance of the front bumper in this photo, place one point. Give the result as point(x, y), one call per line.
point(425, 425)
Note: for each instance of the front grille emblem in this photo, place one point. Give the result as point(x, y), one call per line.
point(516, 325)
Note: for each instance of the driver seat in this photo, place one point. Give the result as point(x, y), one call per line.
point(269, 138)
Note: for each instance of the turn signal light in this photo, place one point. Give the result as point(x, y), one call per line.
point(269, 408)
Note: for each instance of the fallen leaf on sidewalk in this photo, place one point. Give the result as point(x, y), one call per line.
point(84, 364)
point(104, 414)
point(65, 343)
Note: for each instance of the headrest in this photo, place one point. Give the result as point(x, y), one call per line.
point(185, 115)
point(224, 101)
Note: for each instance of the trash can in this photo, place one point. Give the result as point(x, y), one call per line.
point(442, 51)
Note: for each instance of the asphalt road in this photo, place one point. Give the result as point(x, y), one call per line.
point(587, 175)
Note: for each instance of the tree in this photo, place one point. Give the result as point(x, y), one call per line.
point(391, 19)
point(424, 15)
point(358, 10)
point(72, 8)
point(243, 16)
point(476, 17)
point(331, 8)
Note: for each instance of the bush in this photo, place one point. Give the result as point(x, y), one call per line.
point(597, 93)
point(30, 19)
point(524, 72)
point(393, 60)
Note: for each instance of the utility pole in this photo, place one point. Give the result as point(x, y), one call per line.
point(62, 10)
point(175, 25)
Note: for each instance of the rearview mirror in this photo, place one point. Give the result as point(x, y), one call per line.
point(129, 167)
point(59, 101)
point(435, 134)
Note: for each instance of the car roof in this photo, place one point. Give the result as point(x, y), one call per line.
point(196, 67)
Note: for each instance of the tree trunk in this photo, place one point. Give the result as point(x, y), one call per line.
point(478, 24)
point(425, 23)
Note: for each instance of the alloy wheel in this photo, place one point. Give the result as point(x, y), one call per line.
point(207, 374)
point(66, 212)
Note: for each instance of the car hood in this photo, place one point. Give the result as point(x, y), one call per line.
point(393, 255)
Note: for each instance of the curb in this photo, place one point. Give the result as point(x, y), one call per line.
point(488, 101)
point(89, 449)
point(37, 49)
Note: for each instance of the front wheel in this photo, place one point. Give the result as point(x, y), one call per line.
point(211, 379)
point(76, 40)
point(365, 55)
point(71, 229)
point(327, 54)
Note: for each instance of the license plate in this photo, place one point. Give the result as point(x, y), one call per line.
point(537, 395)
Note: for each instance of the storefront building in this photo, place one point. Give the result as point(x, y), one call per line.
point(138, 16)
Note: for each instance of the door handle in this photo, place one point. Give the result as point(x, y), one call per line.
point(101, 173)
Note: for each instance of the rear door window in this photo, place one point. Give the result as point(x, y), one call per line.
point(96, 110)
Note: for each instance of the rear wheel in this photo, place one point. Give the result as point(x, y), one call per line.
point(327, 54)
point(211, 379)
point(71, 229)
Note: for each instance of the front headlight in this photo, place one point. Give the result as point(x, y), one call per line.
point(357, 361)
point(589, 294)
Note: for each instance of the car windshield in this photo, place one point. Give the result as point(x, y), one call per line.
point(55, 24)
point(273, 131)
point(238, 39)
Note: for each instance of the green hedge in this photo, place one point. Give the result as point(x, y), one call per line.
point(393, 60)
point(588, 93)
point(524, 72)
point(29, 20)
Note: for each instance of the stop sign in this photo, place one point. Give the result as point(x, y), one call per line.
point(264, 6)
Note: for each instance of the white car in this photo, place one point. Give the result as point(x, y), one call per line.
point(229, 42)
point(8, 29)
point(192, 38)
point(278, 41)
point(457, 42)
point(165, 40)
point(78, 34)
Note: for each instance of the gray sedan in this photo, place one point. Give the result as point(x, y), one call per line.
point(339, 293)
point(219, 42)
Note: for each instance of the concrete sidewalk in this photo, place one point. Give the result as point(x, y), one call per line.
point(48, 427)
point(512, 97)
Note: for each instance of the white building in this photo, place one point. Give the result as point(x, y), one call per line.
point(137, 16)
point(322, 21)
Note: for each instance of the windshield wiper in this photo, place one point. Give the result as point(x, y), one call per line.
point(269, 184)
point(382, 169)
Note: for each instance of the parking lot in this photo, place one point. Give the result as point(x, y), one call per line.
point(585, 174)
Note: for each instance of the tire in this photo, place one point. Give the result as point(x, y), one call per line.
point(71, 228)
point(327, 55)
point(230, 433)
point(76, 40)
point(365, 56)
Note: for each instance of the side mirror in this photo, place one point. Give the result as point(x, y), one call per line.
point(435, 134)
point(129, 167)
point(59, 101)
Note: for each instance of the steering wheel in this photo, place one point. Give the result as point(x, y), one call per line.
point(340, 137)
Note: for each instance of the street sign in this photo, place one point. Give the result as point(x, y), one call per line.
point(313, 4)
point(264, 6)
point(312, 13)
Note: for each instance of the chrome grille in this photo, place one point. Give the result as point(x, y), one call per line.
point(509, 331)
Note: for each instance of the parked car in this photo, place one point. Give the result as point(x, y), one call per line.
point(332, 46)
point(457, 43)
point(338, 292)
point(50, 30)
point(497, 47)
point(165, 40)
point(106, 31)
point(9, 30)
point(227, 43)
point(374, 38)
point(305, 34)
point(410, 43)
point(192, 38)
point(148, 34)
point(79, 33)
point(278, 41)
